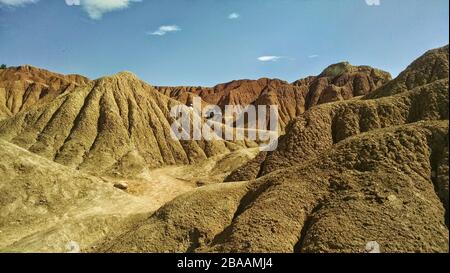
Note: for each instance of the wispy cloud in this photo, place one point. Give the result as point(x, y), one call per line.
point(73, 2)
point(16, 3)
point(313, 56)
point(373, 2)
point(269, 58)
point(162, 30)
point(233, 16)
point(96, 8)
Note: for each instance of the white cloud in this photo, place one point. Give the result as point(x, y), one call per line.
point(73, 2)
point(162, 30)
point(313, 56)
point(233, 16)
point(373, 2)
point(16, 3)
point(96, 8)
point(269, 58)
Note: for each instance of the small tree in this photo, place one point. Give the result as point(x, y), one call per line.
point(3, 66)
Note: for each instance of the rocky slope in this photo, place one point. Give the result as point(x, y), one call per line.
point(24, 86)
point(337, 82)
point(433, 65)
point(342, 81)
point(317, 130)
point(62, 159)
point(115, 125)
point(346, 174)
point(44, 205)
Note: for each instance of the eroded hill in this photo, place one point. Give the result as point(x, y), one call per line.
point(116, 125)
point(24, 86)
point(337, 82)
point(321, 127)
point(96, 159)
point(346, 174)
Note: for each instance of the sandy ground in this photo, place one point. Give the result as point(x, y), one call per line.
point(97, 209)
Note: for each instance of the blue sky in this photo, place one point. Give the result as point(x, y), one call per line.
point(205, 42)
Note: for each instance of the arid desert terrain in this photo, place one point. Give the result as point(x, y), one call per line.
point(90, 165)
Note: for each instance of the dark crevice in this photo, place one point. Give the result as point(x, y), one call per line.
point(245, 203)
point(334, 129)
point(309, 221)
point(194, 238)
point(25, 96)
point(130, 118)
point(100, 124)
point(250, 197)
point(433, 72)
point(159, 115)
point(261, 169)
point(250, 170)
point(153, 123)
point(438, 156)
point(75, 123)
point(41, 133)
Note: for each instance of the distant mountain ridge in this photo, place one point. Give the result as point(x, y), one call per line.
point(340, 81)
point(24, 86)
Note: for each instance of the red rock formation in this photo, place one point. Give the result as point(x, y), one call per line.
point(337, 82)
point(24, 86)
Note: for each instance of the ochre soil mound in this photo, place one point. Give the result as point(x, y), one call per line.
point(378, 186)
point(321, 127)
point(346, 174)
point(44, 205)
point(63, 155)
point(116, 125)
